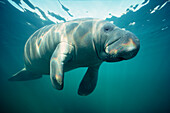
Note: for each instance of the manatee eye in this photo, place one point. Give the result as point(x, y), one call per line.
point(108, 28)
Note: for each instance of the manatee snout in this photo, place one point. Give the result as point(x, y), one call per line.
point(131, 47)
point(124, 48)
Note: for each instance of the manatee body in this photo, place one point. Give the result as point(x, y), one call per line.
point(58, 48)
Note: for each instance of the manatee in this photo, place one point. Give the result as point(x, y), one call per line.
point(58, 48)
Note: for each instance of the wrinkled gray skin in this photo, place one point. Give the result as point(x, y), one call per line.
point(55, 49)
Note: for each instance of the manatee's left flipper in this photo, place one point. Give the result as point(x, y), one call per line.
point(89, 81)
point(62, 54)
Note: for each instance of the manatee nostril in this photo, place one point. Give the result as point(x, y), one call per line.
point(136, 39)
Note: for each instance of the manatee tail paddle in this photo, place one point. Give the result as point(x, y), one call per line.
point(24, 75)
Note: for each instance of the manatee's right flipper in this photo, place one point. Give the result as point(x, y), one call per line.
point(61, 55)
point(89, 81)
point(24, 75)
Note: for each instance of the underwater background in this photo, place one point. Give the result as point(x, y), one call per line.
point(139, 85)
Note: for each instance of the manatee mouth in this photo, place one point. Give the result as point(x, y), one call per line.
point(110, 43)
point(122, 50)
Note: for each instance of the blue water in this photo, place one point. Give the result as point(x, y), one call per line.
point(139, 85)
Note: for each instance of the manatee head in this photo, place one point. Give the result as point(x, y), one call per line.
point(117, 44)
